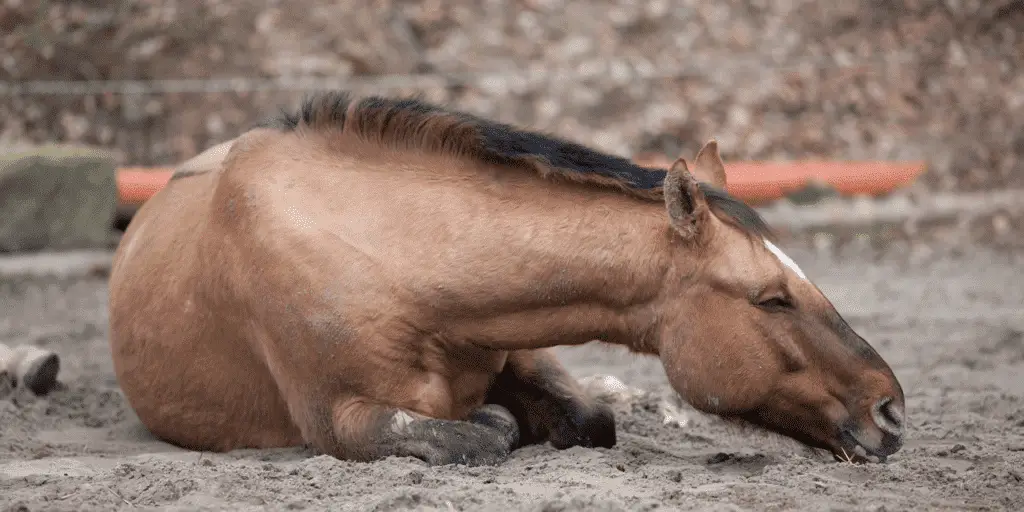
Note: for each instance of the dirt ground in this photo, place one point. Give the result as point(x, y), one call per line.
point(949, 322)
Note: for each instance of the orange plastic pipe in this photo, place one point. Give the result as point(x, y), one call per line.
point(756, 182)
point(765, 181)
point(135, 185)
point(750, 181)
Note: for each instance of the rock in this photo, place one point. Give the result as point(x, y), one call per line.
point(56, 197)
point(29, 366)
point(37, 369)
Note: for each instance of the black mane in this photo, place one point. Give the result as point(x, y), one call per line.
point(411, 121)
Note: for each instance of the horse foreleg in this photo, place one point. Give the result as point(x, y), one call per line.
point(549, 403)
point(366, 431)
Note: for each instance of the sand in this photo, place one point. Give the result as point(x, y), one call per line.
point(952, 327)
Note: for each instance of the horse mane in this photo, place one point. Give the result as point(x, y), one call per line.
point(413, 124)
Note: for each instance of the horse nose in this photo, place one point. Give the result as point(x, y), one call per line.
point(888, 416)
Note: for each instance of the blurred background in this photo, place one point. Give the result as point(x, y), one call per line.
point(97, 93)
point(157, 81)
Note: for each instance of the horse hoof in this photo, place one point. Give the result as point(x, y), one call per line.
point(500, 419)
point(41, 374)
point(590, 426)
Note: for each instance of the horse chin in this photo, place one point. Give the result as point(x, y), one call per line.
point(848, 449)
point(844, 448)
point(800, 438)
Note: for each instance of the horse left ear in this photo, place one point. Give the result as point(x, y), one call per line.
point(687, 207)
point(708, 166)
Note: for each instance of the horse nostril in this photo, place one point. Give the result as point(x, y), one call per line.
point(888, 416)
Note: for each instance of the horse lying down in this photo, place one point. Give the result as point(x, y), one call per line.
point(384, 277)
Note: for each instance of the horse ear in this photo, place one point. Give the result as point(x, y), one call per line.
point(708, 166)
point(686, 204)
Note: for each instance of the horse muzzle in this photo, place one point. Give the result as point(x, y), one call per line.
point(879, 437)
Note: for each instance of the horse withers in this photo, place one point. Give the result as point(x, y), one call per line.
point(378, 277)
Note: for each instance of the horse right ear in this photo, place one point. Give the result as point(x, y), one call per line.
point(708, 166)
point(688, 210)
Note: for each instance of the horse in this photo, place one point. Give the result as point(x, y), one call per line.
point(378, 276)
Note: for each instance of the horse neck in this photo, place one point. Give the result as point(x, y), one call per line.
point(591, 268)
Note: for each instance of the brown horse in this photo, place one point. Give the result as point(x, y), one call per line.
point(384, 277)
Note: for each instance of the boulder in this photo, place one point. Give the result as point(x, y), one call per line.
point(56, 197)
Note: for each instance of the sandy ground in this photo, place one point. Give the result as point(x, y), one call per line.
point(951, 325)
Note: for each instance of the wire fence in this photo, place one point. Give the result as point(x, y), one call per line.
point(724, 70)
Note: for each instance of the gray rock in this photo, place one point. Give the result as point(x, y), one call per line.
point(56, 197)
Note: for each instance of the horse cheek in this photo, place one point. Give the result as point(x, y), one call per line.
point(720, 373)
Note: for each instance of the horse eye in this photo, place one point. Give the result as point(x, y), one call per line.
point(776, 303)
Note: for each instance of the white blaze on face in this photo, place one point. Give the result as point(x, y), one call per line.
point(786, 260)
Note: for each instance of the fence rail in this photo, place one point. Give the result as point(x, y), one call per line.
point(721, 69)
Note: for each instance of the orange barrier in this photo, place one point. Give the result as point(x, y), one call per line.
point(757, 182)
point(135, 185)
point(766, 181)
point(751, 181)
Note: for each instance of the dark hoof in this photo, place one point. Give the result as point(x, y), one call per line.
point(466, 457)
point(499, 419)
point(589, 427)
point(469, 445)
point(486, 439)
point(41, 377)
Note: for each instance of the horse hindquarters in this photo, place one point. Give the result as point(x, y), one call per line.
point(191, 381)
point(211, 402)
